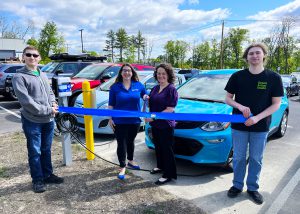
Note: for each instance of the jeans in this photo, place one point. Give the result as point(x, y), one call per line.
point(39, 140)
point(257, 142)
point(125, 135)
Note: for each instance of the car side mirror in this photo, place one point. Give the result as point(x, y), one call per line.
point(106, 77)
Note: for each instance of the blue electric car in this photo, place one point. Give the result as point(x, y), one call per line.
point(209, 142)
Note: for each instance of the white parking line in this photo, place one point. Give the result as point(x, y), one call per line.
point(285, 193)
point(10, 112)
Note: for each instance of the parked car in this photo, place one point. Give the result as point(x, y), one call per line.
point(189, 73)
point(102, 95)
point(210, 142)
point(290, 84)
point(68, 65)
point(297, 75)
point(9, 91)
point(96, 74)
point(140, 67)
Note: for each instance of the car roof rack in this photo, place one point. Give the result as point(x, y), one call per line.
point(76, 57)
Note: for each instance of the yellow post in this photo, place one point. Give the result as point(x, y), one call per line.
point(88, 120)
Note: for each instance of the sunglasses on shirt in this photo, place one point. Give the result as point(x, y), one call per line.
point(34, 55)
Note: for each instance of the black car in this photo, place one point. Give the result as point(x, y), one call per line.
point(189, 73)
point(69, 65)
point(290, 84)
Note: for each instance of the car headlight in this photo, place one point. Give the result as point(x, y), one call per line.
point(103, 106)
point(215, 126)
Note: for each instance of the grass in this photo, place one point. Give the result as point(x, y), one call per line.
point(3, 172)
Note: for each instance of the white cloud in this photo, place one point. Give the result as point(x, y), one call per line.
point(193, 1)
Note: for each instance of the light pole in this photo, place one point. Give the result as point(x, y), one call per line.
point(81, 40)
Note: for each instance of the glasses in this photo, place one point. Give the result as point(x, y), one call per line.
point(34, 55)
point(126, 70)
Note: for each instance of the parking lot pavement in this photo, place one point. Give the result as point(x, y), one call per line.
point(281, 162)
point(9, 116)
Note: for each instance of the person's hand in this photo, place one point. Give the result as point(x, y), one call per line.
point(146, 97)
point(54, 110)
point(111, 124)
point(251, 121)
point(148, 120)
point(246, 111)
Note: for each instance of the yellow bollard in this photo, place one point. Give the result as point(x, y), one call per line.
point(88, 120)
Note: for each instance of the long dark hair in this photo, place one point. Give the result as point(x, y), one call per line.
point(134, 74)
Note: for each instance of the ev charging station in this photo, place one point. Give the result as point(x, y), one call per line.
point(62, 87)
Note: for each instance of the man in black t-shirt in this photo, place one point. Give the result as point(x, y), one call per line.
point(256, 93)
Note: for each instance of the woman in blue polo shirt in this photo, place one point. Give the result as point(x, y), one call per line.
point(125, 94)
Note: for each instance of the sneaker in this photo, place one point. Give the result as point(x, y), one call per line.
point(121, 175)
point(38, 187)
point(256, 196)
point(53, 179)
point(233, 192)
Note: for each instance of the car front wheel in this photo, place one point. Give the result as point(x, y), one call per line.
point(282, 126)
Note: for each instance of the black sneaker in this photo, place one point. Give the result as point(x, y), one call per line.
point(233, 192)
point(38, 187)
point(256, 196)
point(53, 179)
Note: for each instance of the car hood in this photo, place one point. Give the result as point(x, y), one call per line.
point(101, 98)
point(202, 107)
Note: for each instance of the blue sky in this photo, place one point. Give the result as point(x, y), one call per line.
point(193, 21)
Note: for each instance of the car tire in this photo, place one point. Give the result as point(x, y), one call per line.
point(229, 166)
point(282, 126)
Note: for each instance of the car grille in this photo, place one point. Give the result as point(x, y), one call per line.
point(183, 146)
point(188, 124)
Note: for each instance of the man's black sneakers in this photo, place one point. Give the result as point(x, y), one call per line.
point(256, 196)
point(53, 179)
point(38, 187)
point(233, 192)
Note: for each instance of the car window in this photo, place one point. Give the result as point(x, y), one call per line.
point(150, 83)
point(49, 68)
point(209, 87)
point(68, 68)
point(286, 79)
point(177, 81)
point(12, 69)
point(91, 72)
point(111, 71)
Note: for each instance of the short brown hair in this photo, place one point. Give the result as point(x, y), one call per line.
point(30, 47)
point(168, 68)
point(134, 77)
point(260, 45)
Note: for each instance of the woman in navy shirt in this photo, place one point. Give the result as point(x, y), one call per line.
point(125, 94)
point(163, 98)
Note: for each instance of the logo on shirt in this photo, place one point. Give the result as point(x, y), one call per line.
point(135, 89)
point(262, 85)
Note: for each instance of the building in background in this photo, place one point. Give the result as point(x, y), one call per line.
point(11, 48)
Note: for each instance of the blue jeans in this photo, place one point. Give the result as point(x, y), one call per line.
point(39, 140)
point(257, 142)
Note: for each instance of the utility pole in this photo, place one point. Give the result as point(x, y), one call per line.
point(222, 46)
point(81, 40)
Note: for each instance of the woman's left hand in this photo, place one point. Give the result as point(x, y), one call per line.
point(251, 121)
point(146, 97)
point(148, 120)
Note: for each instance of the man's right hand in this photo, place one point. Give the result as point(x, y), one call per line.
point(245, 110)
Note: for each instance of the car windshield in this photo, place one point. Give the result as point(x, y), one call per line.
point(106, 86)
point(286, 79)
point(49, 67)
point(205, 87)
point(91, 72)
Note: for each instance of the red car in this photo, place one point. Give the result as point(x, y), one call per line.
point(97, 74)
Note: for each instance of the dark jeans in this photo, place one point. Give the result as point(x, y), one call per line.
point(163, 140)
point(125, 134)
point(39, 140)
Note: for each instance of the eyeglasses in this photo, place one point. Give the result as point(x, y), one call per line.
point(126, 70)
point(34, 55)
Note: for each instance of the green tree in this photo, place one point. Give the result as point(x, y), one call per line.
point(236, 38)
point(33, 42)
point(50, 41)
point(170, 52)
point(121, 41)
point(110, 44)
point(202, 56)
point(139, 43)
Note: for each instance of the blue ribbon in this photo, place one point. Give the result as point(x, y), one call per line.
point(235, 118)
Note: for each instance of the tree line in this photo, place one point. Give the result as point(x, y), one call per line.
point(283, 56)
